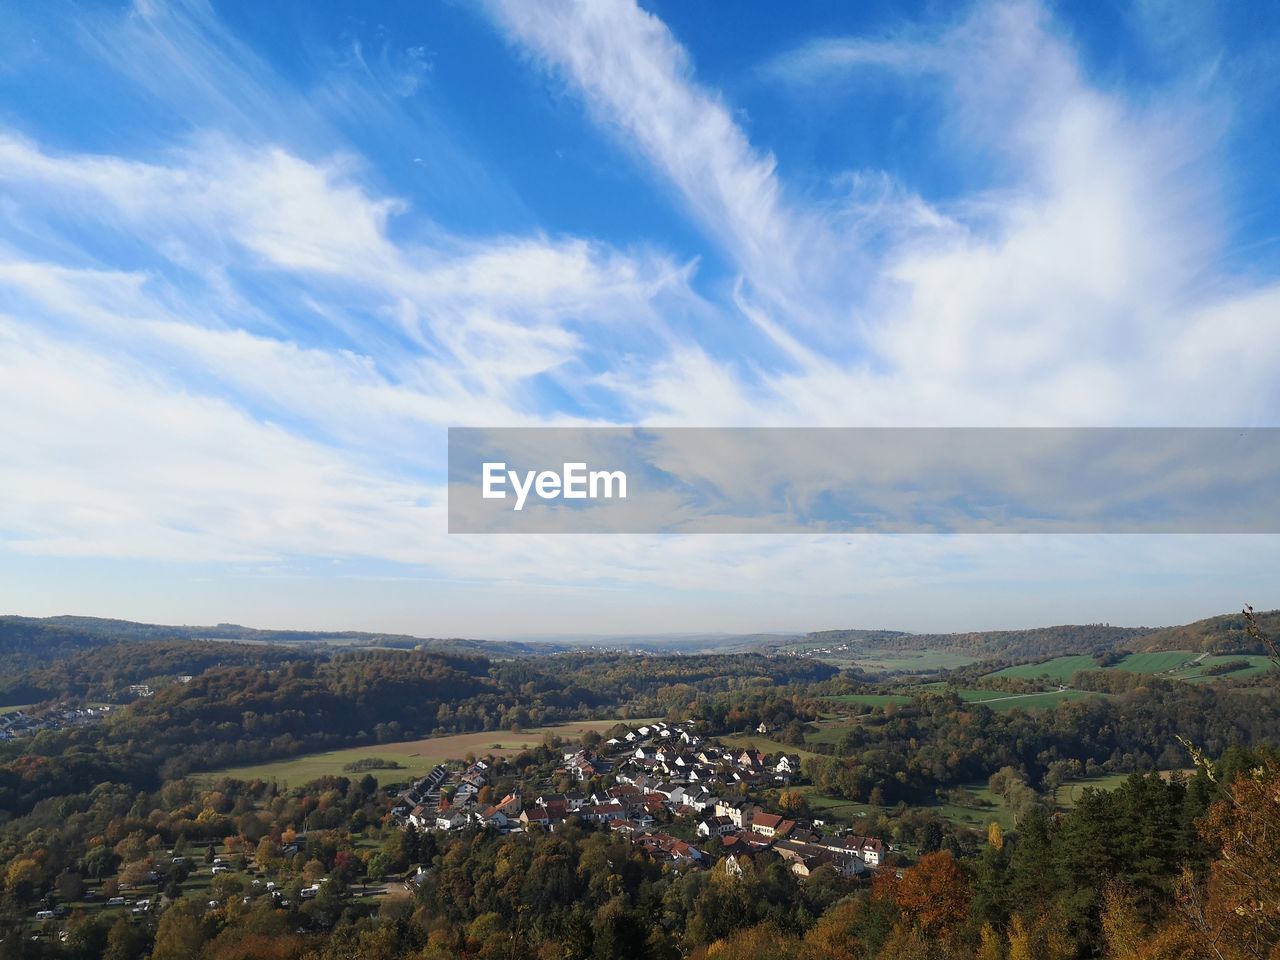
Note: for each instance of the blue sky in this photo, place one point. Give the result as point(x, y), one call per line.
point(255, 258)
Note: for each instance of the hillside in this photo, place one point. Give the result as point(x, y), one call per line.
point(983, 645)
point(28, 642)
point(1222, 634)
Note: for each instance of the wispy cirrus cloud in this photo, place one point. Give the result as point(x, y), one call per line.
point(236, 329)
point(1055, 295)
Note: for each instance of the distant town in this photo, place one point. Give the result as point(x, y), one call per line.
point(658, 769)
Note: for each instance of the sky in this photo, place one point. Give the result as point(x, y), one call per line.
point(255, 259)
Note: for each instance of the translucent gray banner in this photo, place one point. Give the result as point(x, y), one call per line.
point(873, 480)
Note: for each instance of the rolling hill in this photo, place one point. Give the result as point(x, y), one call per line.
point(28, 642)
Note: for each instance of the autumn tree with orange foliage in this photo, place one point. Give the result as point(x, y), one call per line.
point(1236, 911)
point(934, 894)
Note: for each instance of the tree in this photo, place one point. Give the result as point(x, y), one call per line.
point(313, 870)
point(990, 944)
point(267, 855)
point(99, 861)
point(1122, 929)
point(135, 874)
point(791, 801)
point(132, 847)
point(125, 941)
point(1240, 902)
point(931, 837)
point(615, 932)
point(70, 885)
point(838, 933)
point(990, 904)
point(935, 893)
point(1039, 939)
point(764, 940)
point(1032, 881)
point(180, 934)
point(22, 879)
point(378, 866)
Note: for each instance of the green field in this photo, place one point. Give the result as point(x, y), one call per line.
point(975, 816)
point(1039, 701)
point(899, 661)
point(870, 699)
point(1181, 664)
point(1001, 701)
point(1195, 673)
point(417, 757)
point(14, 708)
point(763, 743)
point(832, 731)
point(1059, 669)
point(1161, 662)
point(981, 696)
point(1069, 793)
point(829, 733)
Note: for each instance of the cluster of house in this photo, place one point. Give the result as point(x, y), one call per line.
point(658, 772)
point(748, 832)
point(834, 649)
point(650, 755)
point(744, 830)
point(18, 723)
point(424, 805)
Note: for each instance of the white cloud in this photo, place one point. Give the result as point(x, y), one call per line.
point(638, 81)
point(113, 460)
point(229, 348)
point(1059, 298)
point(452, 325)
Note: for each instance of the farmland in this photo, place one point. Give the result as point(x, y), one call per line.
point(1196, 673)
point(1037, 701)
point(870, 699)
point(973, 807)
point(1001, 701)
point(1059, 669)
point(1177, 664)
point(1069, 793)
point(415, 757)
point(1162, 662)
point(897, 661)
point(763, 743)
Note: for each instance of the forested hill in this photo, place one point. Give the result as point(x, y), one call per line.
point(27, 642)
point(1221, 634)
point(1224, 634)
point(1035, 642)
point(285, 703)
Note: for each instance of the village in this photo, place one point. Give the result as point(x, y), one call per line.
point(658, 780)
point(23, 723)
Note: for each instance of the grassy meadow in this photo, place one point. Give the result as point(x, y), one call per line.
point(416, 757)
